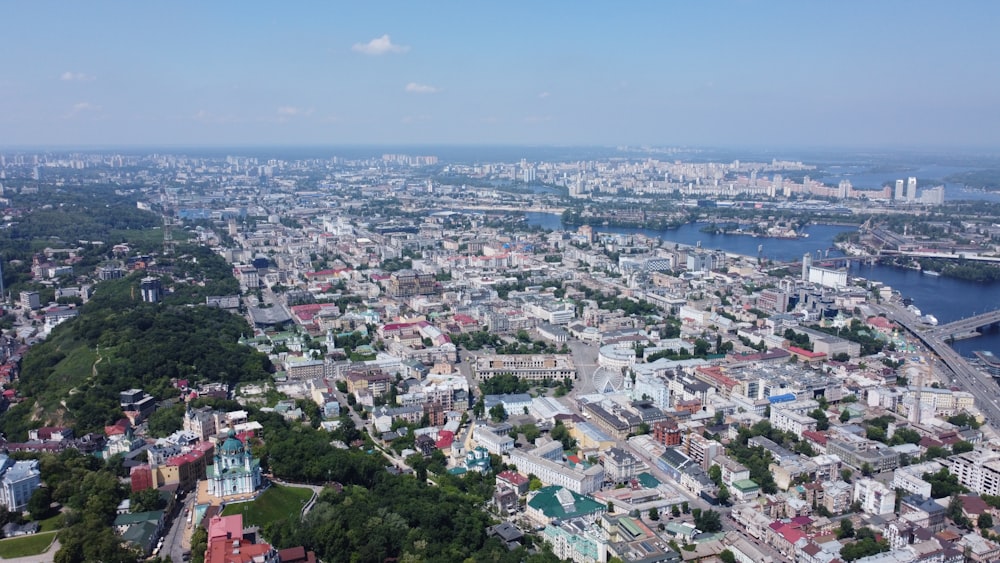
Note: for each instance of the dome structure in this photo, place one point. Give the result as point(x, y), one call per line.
point(232, 446)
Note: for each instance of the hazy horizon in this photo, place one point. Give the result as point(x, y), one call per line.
point(892, 75)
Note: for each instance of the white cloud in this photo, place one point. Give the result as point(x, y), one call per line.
point(416, 88)
point(379, 46)
point(292, 111)
point(75, 77)
point(543, 95)
point(81, 109)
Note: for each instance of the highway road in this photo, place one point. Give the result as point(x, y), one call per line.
point(982, 386)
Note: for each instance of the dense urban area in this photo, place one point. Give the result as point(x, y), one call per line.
point(223, 358)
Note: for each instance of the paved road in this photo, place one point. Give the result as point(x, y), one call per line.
point(178, 537)
point(965, 376)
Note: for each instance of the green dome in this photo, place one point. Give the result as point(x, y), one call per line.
point(232, 445)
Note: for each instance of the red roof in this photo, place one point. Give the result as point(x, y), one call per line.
point(815, 436)
point(445, 439)
point(225, 527)
point(513, 477)
point(806, 353)
point(183, 459)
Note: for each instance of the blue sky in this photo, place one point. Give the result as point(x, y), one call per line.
point(739, 73)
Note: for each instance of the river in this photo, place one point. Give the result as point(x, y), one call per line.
point(948, 299)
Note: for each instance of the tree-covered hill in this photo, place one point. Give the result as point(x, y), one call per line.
point(118, 342)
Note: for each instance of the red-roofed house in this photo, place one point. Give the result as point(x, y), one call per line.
point(783, 535)
point(296, 555)
point(513, 480)
point(805, 355)
point(445, 439)
point(117, 429)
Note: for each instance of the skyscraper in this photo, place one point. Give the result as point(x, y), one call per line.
point(900, 193)
point(911, 189)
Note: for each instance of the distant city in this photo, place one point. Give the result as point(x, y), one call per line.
point(233, 352)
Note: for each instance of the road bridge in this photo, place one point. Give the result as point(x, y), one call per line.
point(967, 325)
point(981, 386)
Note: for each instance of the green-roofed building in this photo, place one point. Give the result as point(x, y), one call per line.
point(745, 490)
point(140, 529)
point(647, 480)
point(558, 503)
point(235, 471)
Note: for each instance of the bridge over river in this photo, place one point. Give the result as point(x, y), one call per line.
point(982, 387)
point(966, 326)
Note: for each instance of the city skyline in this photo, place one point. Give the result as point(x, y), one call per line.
point(893, 74)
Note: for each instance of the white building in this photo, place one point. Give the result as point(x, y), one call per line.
point(978, 470)
point(580, 481)
point(875, 498)
point(19, 480)
point(494, 443)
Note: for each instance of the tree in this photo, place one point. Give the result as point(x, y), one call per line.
point(943, 483)
point(39, 503)
point(846, 529)
point(822, 422)
point(845, 474)
point(654, 514)
point(534, 483)
point(724, 495)
point(715, 474)
point(845, 415)
point(166, 421)
point(479, 408)
point(146, 500)
point(727, 556)
point(866, 469)
point(674, 511)
point(985, 521)
point(961, 447)
point(708, 521)
point(498, 413)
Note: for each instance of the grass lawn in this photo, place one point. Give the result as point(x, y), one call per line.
point(276, 503)
point(51, 523)
point(26, 545)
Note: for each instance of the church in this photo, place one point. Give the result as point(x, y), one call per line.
point(235, 472)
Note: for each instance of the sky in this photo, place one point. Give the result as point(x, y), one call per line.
point(908, 74)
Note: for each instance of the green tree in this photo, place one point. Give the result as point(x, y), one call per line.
point(715, 474)
point(39, 503)
point(654, 514)
point(497, 413)
point(727, 556)
point(146, 500)
point(846, 529)
point(708, 521)
point(961, 447)
point(985, 521)
point(845, 416)
point(724, 495)
point(822, 422)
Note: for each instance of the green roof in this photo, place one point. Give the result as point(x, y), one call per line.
point(546, 501)
point(648, 481)
point(135, 518)
point(745, 485)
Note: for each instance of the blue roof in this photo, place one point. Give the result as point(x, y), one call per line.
point(781, 398)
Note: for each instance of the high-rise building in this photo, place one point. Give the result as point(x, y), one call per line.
point(806, 263)
point(911, 189)
point(900, 190)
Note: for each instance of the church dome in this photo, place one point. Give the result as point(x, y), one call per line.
point(232, 445)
